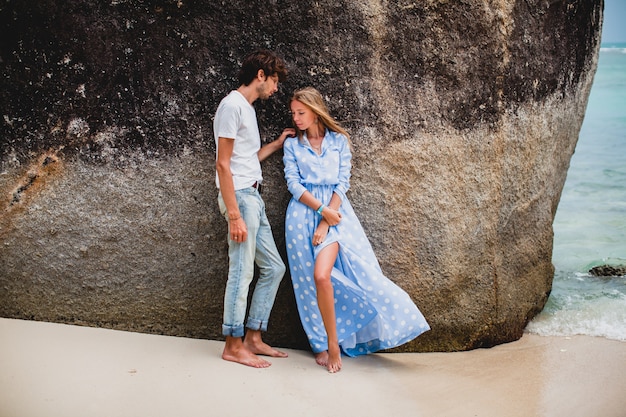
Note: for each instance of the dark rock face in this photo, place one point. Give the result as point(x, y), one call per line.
point(463, 115)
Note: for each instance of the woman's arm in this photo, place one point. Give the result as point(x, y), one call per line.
point(345, 167)
point(292, 171)
point(330, 213)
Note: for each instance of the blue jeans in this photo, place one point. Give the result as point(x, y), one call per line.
point(259, 247)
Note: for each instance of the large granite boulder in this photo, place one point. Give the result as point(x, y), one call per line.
point(463, 115)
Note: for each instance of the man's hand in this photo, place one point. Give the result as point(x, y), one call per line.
point(287, 133)
point(238, 230)
point(275, 145)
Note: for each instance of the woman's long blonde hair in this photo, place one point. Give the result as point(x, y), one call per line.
point(312, 98)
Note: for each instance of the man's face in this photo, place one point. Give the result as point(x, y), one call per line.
point(268, 86)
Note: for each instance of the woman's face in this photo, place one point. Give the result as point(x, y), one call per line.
point(303, 117)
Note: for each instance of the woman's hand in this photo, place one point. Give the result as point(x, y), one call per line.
point(332, 216)
point(320, 233)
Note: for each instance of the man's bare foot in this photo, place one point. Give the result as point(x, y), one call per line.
point(255, 344)
point(235, 351)
point(262, 348)
point(245, 357)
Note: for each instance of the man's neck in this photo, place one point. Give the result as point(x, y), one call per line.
point(249, 92)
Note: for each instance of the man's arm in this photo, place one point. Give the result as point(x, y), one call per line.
point(272, 147)
point(238, 230)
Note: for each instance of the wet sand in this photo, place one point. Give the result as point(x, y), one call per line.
point(58, 370)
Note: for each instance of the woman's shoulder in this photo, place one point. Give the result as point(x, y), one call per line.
point(336, 137)
point(291, 142)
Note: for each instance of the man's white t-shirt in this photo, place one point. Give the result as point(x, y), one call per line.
point(235, 118)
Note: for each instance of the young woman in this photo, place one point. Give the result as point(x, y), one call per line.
point(344, 300)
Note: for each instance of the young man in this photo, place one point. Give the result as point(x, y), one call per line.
point(239, 153)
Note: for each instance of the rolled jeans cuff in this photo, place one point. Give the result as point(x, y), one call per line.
point(233, 331)
point(256, 324)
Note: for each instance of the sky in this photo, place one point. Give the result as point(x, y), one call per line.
point(614, 26)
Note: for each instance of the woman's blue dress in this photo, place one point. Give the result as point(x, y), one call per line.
point(372, 312)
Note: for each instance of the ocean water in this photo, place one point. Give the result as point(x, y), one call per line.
point(590, 223)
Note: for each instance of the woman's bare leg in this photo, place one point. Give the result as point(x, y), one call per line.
point(326, 303)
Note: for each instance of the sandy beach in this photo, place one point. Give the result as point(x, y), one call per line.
point(70, 371)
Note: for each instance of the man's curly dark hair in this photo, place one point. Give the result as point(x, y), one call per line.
point(262, 59)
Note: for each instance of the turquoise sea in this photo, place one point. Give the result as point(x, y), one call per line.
point(590, 223)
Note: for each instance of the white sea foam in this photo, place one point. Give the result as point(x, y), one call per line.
point(593, 309)
point(613, 49)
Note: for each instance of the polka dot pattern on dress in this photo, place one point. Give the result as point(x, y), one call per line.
point(372, 312)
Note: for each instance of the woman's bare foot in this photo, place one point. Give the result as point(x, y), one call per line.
point(330, 360)
point(322, 358)
point(334, 359)
point(236, 351)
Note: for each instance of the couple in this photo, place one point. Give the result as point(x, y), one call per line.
point(345, 302)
